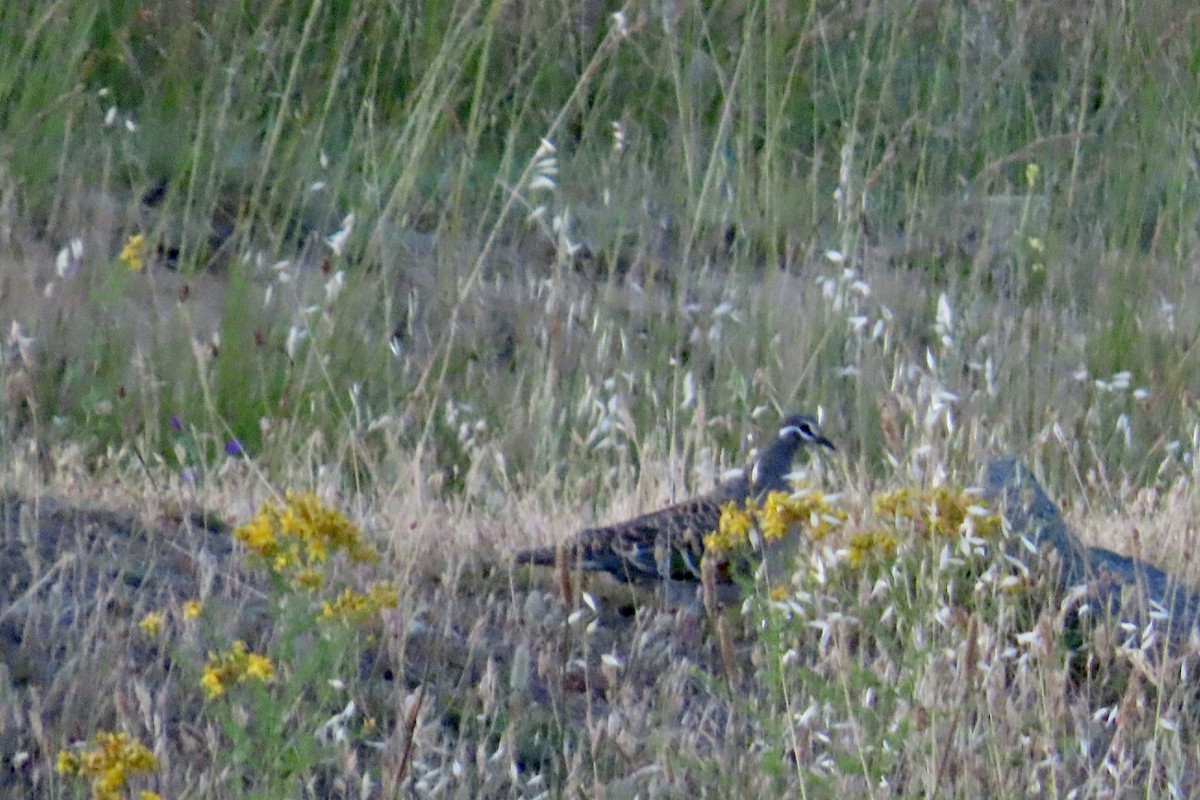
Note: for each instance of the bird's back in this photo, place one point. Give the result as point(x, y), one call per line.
point(669, 543)
point(639, 549)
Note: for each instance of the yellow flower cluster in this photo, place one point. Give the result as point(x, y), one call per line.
point(864, 543)
point(351, 604)
point(780, 511)
point(938, 512)
point(295, 537)
point(733, 530)
point(109, 764)
point(152, 622)
point(236, 666)
point(133, 254)
point(813, 509)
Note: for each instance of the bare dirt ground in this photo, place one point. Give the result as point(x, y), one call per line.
point(471, 642)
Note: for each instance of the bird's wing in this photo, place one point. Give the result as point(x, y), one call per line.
point(638, 548)
point(737, 489)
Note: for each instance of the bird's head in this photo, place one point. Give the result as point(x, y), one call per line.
point(803, 429)
point(796, 432)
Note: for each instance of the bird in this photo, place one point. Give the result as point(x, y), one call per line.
point(668, 545)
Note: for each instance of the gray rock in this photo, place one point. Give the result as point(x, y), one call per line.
point(1132, 591)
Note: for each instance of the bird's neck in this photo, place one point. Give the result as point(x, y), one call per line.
point(772, 468)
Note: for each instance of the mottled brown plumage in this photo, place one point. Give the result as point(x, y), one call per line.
point(669, 544)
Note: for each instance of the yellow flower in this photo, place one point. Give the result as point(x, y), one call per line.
point(133, 254)
point(346, 603)
point(259, 667)
point(776, 516)
point(152, 622)
point(937, 512)
point(860, 547)
point(109, 763)
point(309, 579)
point(111, 781)
point(192, 609)
point(735, 522)
point(300, 534)
point(888, 504)
point(779, 513)
point(67, 763)
point(234, 666)
point(352, 604)
point(146, 794)
point(733, 529)
point(211, 683)
point(318, 550)
point(289, 521)
point(887, 542)
point(258, 534)
point(815, 510)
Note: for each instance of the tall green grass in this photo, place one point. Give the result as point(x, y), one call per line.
point(459, 263)
point(1030, 164)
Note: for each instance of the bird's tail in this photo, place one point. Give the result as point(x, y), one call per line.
point(539, 556)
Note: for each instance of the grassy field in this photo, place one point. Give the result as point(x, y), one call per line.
point(476, 274)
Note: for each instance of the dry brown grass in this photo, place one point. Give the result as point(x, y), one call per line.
point(484, 683)
point(951, 231)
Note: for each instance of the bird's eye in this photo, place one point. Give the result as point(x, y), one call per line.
point(806, 430)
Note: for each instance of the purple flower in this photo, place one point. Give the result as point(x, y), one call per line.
point(234, 447)
point(176, 423)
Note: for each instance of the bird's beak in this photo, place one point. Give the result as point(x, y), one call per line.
point(821, 440)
